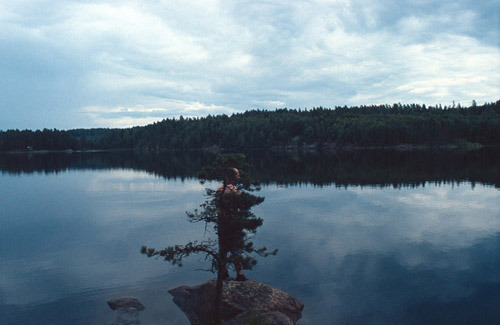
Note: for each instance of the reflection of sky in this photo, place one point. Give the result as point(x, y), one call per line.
point(387, 217)
point(79, 233)
point(357, 255)
point(370, 255)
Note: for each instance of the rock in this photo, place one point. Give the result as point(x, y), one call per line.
point(248, 300)
point(266, 317)
point(125, 303)
point(127, 310)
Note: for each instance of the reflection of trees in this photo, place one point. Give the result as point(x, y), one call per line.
point(228, 211)
point(343, 168)
point(380, 168)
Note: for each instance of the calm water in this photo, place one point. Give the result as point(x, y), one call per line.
point(375, 238)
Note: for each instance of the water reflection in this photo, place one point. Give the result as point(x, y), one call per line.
point(459, 286)
point(343, 168)
point(357, 255)
point(379, 258)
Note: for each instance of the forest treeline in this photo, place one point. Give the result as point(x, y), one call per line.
point(363, 126)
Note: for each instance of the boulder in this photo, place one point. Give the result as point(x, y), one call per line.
point(126, 303)
point(127, 310)
point(242, 302)
point(261, 318)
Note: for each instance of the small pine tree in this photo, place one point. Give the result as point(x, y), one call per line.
point(227, 210)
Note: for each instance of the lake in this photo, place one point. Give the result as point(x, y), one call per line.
point(364, 237)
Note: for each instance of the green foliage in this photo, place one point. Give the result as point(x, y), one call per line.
point(376, 125)
point(228, 214)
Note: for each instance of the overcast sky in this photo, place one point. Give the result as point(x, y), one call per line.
point(68, 64)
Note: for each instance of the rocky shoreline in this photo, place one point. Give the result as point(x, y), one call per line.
point(248, 302)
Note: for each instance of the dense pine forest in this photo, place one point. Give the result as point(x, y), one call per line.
point(364, 126)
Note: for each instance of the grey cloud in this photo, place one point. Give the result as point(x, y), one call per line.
point(59, 57)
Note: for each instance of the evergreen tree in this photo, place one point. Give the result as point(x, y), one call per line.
point(227, 210)
point(375, 125)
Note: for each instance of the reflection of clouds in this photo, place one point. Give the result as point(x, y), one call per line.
point(111, 192)
point(381, 220)
point(378, 252)
point(438, 200)
point(95, 244)
point(132, 180)
point(442, 215)
point(338, 247)
point(437, 215)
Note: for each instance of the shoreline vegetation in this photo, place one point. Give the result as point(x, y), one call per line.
point(397, 126)
point(287, 148)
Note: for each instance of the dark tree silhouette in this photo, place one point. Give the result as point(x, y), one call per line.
point(364, 126)
point(227, 210)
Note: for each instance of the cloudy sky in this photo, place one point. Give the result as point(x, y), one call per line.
point(68, 64)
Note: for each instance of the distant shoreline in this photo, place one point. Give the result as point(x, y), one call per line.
point(288, 148)
point(398, 126)
point(67, 151)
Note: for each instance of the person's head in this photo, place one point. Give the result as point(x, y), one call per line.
point(234, 176)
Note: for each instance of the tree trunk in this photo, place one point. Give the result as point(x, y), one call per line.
point(221, 262)
point(218, 295)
